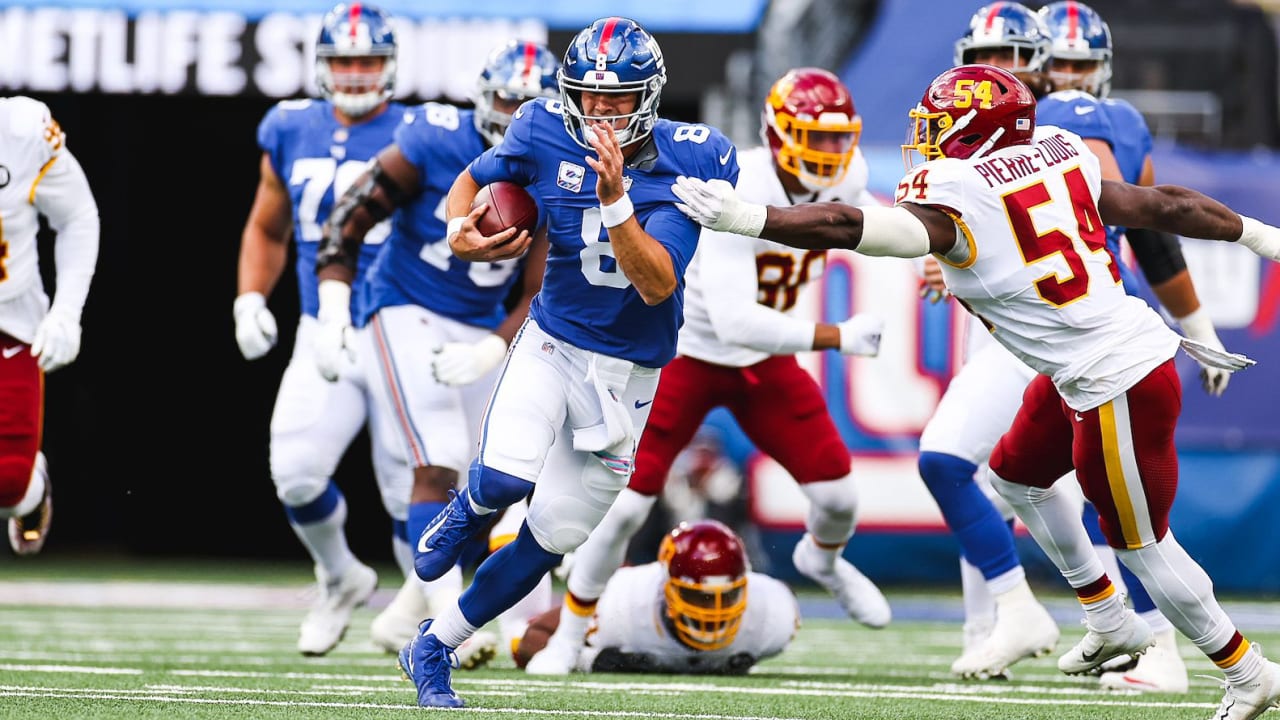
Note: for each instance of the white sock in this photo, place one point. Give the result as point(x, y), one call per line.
point(451, 627)
point(979, 605)
point(1054, 521)
point(1111, 563)
point(1182, 591)
point(326, 541)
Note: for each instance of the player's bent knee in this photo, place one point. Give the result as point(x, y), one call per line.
point(562, 524)
point(299, 490)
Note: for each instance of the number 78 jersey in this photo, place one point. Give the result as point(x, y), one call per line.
point(1037, 271)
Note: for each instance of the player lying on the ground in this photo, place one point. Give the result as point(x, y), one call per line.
point(698, 609)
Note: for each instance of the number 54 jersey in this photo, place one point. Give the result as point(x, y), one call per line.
point(1033, 264)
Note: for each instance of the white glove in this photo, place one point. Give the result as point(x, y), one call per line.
point(463, 363)
point(860, 335)
point(1261, 238)
point(256, 331)
point(57, 341)
point(1199, 327)
point(714, 204)
point(335, 339)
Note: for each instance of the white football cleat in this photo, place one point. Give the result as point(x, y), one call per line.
point(854, 591)
point(559, 657)
point(1023, 629)
point(27, 533)
point(1132, 638)
point(397, 624)
point(476, 651)
point(1159, 669)
point(326, 623)
point(1249, 700)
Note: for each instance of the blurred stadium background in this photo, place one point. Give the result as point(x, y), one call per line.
point(157, 436)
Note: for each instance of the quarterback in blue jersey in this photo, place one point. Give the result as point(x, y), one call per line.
point(311, 151)
point(578, 383)
point(419, 302)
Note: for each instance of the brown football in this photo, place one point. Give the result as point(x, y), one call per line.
point(509, 206)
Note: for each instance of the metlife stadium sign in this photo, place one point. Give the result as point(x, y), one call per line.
point(231, 47)
point(222, 53)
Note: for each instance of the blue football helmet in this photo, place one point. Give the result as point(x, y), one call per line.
point(356, 30)
point(1006, 25)
point(517, 71)
point(1077, 32)
point(612, 55)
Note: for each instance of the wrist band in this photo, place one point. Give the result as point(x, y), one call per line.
point(616, 213)
point(454, 226)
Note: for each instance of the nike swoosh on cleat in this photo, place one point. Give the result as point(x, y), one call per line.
point(1090, 657)
point(640, 405)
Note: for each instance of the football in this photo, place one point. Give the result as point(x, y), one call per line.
point(509, 206)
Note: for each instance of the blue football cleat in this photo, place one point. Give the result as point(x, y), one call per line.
point(429, 663)
point(444, 538)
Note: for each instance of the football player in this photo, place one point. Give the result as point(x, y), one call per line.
point(38, 176)
point(421, 302)
point(1079, 67)
point(991, 383)
point(311, 151)
point(737, 349)
point(1106, 397)
point(697, 610)
point(580, 377)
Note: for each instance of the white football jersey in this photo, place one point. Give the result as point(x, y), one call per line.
point(39, 176)
point(1037, 269)
point(30, 140)
point(629, 616)
point(741, 290)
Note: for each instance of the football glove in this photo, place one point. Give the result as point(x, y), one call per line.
point(860, 335)
point(1199, 327)
point(714, 204)
point(334, 342)
point(57, 341)
point(256, 331)
point(457, 364)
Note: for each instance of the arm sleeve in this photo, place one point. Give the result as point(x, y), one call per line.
point(730, 287)
point(1159, 254)
point(64, 198)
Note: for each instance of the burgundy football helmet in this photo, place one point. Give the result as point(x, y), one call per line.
point(811, 126)
point(967, 112)
point(706, 589)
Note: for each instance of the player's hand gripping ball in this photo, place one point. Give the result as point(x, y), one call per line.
point(509, 206)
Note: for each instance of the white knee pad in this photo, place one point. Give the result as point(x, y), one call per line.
point(298, 490)
point(561, 516)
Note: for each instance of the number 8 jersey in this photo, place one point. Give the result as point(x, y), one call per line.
point(1032, 263)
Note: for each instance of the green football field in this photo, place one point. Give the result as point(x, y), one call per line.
point(105, 641)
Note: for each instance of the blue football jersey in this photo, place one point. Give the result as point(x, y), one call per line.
point(1132, 143)
point(1086, 116)
point(317, 158)
point(416, 266)
point(586, 300)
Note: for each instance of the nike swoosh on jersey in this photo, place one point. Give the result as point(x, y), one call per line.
point(11, 351)
point(642, 404)
point(1085, 110)
point(724, 159)
point(1078, 418)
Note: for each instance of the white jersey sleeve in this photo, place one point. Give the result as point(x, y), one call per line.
point(630, 618)
point(38, 175)
point(1032, 262)
point(740, 291)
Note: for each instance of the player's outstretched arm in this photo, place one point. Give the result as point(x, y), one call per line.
point(905, 231)
point(1180, 210)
